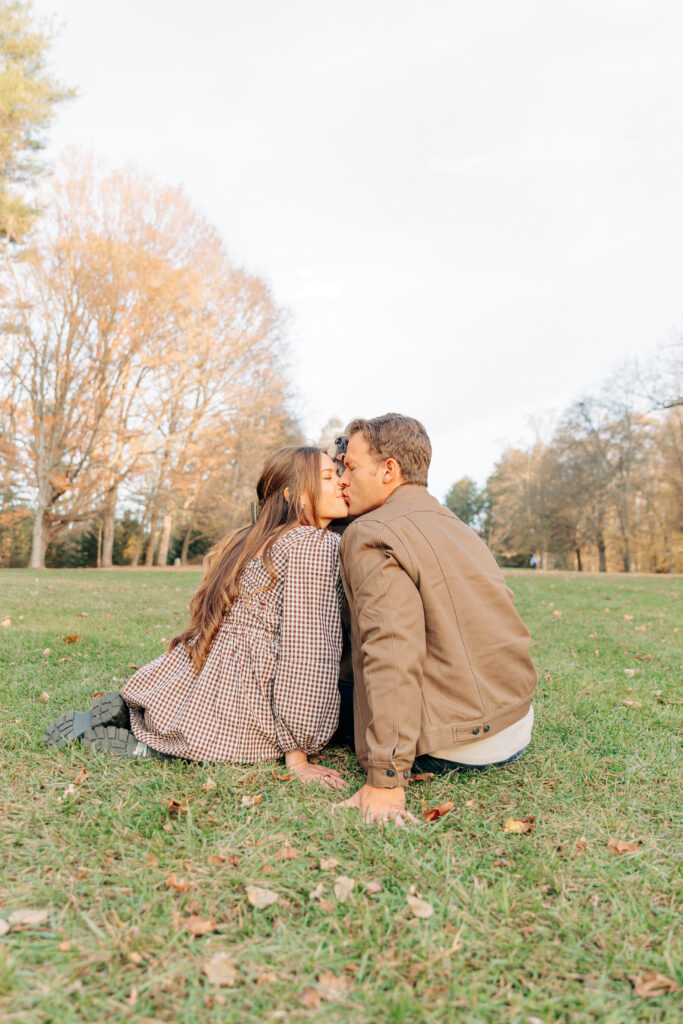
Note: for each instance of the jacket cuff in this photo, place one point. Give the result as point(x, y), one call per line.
point(387, 776)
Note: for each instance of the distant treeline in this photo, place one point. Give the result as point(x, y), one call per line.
point(141, 370)
point(604, 492)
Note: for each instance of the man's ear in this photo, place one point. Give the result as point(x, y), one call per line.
point(392, 472)
point(286, 494)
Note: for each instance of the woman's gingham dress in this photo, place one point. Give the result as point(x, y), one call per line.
point(270, 681)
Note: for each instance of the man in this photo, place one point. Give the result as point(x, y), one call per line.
point(441, 658)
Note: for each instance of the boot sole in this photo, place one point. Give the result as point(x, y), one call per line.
point(107, 739)
point(68, 727)
point(110, 709)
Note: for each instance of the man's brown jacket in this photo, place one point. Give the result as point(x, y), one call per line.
point(440, 655)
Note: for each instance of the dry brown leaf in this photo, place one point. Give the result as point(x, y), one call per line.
point(287, 852)
point(44, 697)
point(556, 611)
point(81, 777)
point(151, 860)
point(197, 925)
point(6, 622)
point(316, 893)
point(175, 807)
point(632, 703)
point(343, 887)
point(4, 926)
point(209, 785)
point(179, 884)
point(310, 998)
point(422, 777)
point(581, 845)
point(261, 898)
point(630, 672)
point(521, 826)
point(266, 978)
point(132, 997)
point(621, 846)
point(230, 859)
point(280, 778)
point(438, 812)
point(168, 827)
point(327, 906)
point(249, 801)
point(326, 864)
point(418, 907)
point(333, 987)
point(651, 985)
point(221, 971)
point(63, 947)
point(72, 638)
point(372, 888)
point(47, 652)
point(470, 803)
point(28, 918)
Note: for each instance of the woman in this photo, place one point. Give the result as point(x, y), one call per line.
point(255, 674)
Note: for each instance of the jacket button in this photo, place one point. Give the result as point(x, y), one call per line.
point(475, 732)
point(390, 771)
point(486, 728)
point(406, 775)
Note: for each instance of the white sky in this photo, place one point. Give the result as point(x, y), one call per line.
point(472, 211)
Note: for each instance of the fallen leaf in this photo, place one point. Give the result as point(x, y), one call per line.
point(179, 884)
point(132, 997)
point(168, 827)
point(372, 888)
point(548, 676)
point(343, 887)
point(632, 703)
point(287, 852)
point(628, 618)
point(28, 918)
point(630, 672)
point(175, 807)
point(229, 859)
point(72, 638)
point(47, 652)
point(470, 803)
point(249, 801)
point(220, 970)
point(197, 925)
point(418, 907)
point(81, 777)
point(6, 622)
point(310, 998)
point(422, 777)
point(641, 629)
point(45, 697)
point(581, 845)
point(64, 947)
point(328, 864)
point(622, 846)
point(316, 893)
point(521, 826)
point(280, 778)
point(209, 785)
point(4, 926)
point(651, 985)
point(266, 978)
point(438, 812)
point(151, 860)
point(327, 906)
point(261, 898)
point(333, 987)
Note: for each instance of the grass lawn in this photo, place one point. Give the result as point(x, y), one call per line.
point(542, 927)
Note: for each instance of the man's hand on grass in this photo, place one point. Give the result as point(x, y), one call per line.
point(379, 804)
point(299, 765)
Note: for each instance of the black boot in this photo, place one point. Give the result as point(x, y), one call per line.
point(107, 739)
point(107, 709)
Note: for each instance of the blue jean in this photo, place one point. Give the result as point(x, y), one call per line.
point(427, 763)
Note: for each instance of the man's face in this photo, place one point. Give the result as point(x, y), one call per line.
point(363, 477)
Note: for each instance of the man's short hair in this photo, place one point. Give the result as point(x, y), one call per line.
point(398, 437)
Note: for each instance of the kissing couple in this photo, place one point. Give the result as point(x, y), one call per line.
point(442, 676)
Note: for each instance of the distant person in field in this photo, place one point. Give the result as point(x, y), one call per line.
point(443, 676)
point(254, 676)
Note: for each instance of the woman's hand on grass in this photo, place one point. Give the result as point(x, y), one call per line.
point(298, 763)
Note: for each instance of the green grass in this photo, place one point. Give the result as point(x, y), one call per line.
point(525, 928)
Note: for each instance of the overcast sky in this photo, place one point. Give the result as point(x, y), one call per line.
point(472, 211)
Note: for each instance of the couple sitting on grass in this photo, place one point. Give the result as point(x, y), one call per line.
point(442, 675)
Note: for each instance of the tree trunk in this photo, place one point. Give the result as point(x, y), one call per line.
point(108, 524)
point(39, 540)
point(99, 544)
point(153, 534)
point(138, 546)
point(579, 566)
point(602, 557)
point(186, 540)
point(164, 542)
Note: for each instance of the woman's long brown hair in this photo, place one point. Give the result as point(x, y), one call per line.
point(294, 468)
